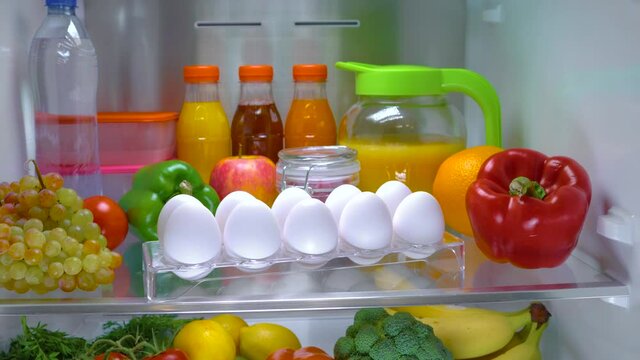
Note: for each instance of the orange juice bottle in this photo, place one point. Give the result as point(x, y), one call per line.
point(310, 121)
point(203, 135)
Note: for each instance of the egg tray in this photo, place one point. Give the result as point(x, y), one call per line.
point(439, 265)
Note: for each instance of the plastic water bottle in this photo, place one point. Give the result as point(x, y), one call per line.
point(64, 72)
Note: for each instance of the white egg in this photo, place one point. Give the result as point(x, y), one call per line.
point(285, 201)
point(228, 204)
point(419, 220)
point(168, 209)
point(191, 235)
point(251, 232)
point(365, 222)
point(310, 229)
point(392, 193)
point(338, 198)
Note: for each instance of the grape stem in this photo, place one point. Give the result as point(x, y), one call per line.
point(38, 173)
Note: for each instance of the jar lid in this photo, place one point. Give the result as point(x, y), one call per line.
point(317, 161)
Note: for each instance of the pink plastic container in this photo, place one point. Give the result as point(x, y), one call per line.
point(136, 138)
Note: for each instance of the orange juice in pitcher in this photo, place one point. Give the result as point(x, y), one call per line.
point(414, 163)
point(402, 126)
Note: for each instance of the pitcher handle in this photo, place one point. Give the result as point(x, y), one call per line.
point(480, 90)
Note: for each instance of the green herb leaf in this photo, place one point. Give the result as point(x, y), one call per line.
point(39, 343)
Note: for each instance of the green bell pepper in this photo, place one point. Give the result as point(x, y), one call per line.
point(154, 185)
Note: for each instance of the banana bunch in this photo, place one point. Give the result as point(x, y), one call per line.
point(483, 334)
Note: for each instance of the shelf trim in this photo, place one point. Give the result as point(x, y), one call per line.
point(316, 302)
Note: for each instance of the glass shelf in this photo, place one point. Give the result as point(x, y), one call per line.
point(482, 281)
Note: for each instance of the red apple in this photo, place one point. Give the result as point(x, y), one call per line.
point(255, 174)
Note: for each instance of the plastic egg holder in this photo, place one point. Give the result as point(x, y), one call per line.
point(162, 282)
point(287, 259)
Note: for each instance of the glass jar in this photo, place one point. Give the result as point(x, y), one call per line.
point(317, 169)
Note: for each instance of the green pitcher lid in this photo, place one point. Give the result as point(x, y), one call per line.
point(413, 80)
point(395, 80)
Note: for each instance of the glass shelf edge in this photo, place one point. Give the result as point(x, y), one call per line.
point(328, 301)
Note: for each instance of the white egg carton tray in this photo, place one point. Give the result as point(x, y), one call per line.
point(435, 265)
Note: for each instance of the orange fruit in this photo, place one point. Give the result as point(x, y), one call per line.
point(452, 180)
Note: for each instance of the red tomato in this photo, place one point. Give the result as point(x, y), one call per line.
point(169, 354)
point(111, 218)
point(305, 353)
point(112, 356)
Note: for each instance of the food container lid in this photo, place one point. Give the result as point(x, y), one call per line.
point(317, 162)
point(136, 117)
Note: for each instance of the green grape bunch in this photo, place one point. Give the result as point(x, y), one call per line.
point(48, 241)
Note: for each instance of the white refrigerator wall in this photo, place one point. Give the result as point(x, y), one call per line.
point(568, 76)
point(18, 22)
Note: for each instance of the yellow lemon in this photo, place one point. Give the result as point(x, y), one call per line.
point(232, 324)
point(205, 340)
point(258, 341)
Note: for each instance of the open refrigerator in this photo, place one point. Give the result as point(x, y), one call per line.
point(567, 74)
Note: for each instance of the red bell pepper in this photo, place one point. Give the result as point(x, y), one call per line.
point(528, 209)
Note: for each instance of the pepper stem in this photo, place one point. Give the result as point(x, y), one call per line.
point(522, 185)
point(38, 173)
point(185, 187)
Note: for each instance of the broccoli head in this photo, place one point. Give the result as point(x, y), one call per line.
point(376, 335)
point(370, 316)
point(366, 337)
point(344, 348)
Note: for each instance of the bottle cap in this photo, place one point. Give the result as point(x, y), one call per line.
point(310, 72)
point(68, 3)
point(201, 73)
point(256, 73)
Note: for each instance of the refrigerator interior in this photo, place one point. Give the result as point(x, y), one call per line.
point(567, 74)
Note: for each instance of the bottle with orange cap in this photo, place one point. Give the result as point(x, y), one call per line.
point(310, 121)
point(257, 126)
point(203, 134)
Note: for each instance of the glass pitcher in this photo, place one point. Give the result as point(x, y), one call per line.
point(402, 126)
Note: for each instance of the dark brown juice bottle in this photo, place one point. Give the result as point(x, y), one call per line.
point(256, 126)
